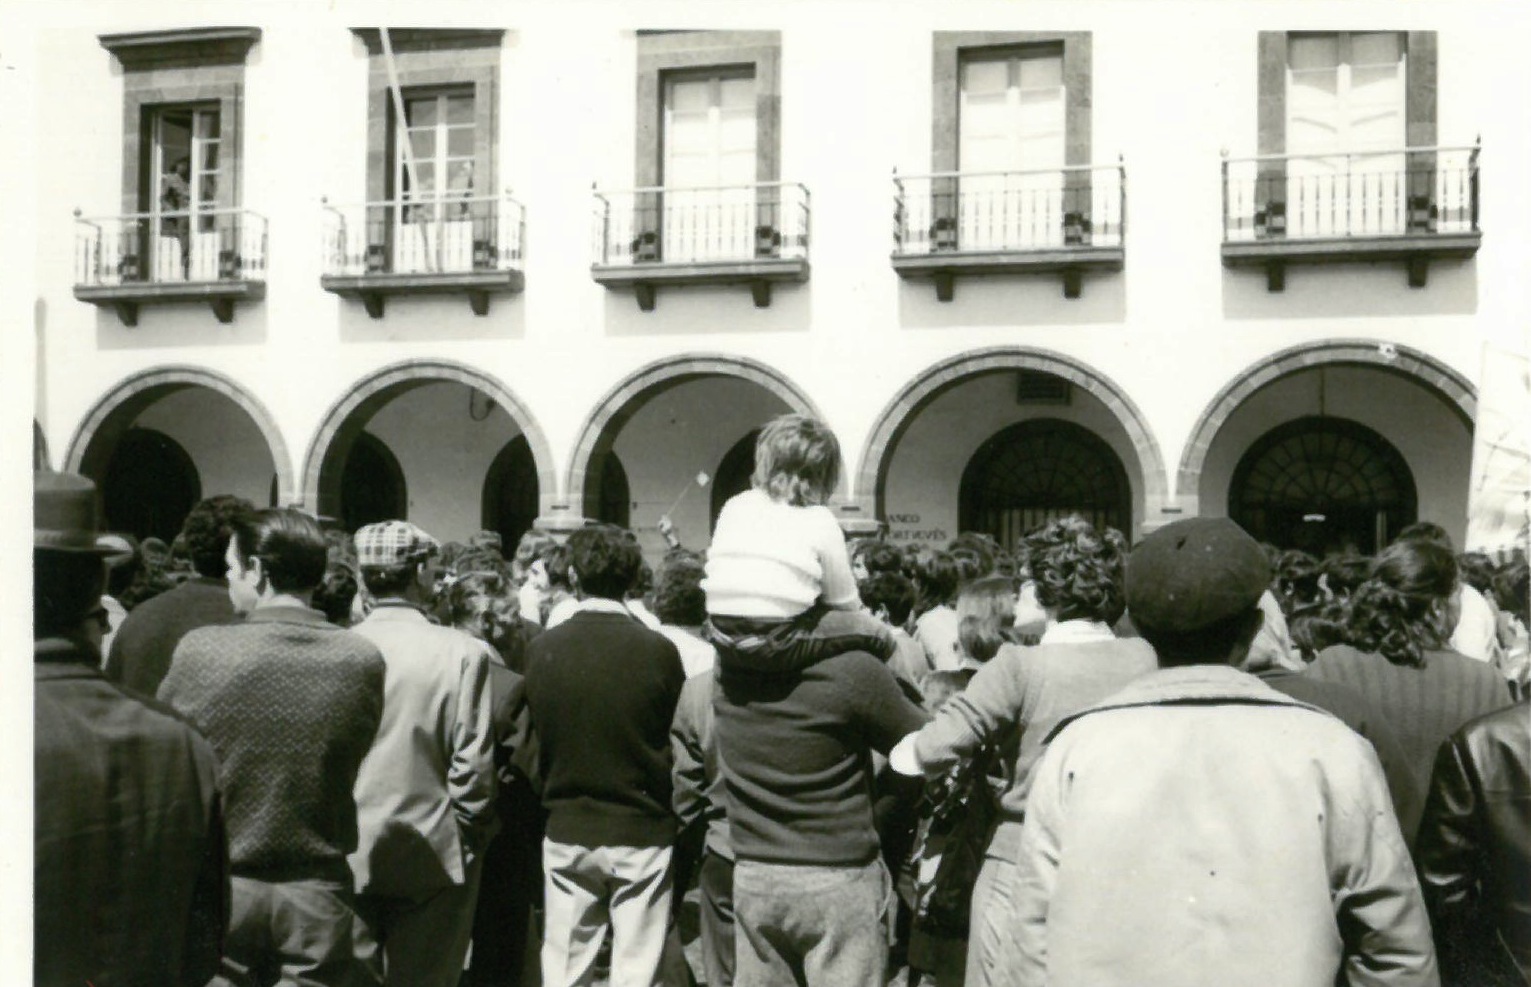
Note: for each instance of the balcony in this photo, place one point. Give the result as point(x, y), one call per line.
point(1064, 221)
point(755, 235)
point(463, 245)
point(1414, 205)
point(212, 255)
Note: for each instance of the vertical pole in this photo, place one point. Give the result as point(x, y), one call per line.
point(405, 145)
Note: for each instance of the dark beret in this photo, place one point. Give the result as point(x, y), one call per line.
point(1194, 573)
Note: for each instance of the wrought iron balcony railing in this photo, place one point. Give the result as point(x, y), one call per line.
point(1409, 191)
point(703, 225)
point(425, 235)
point(1010, 211)
point(170, 248)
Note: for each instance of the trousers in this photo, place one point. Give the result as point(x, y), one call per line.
point(590, 888)
point(812, 926)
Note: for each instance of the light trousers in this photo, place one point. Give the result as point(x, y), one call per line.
point(591, 888)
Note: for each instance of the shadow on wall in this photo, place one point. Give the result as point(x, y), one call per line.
point(181, 324)
point(686, 309)
point(417, 318)
point(1374, 288)
point(1011, 300)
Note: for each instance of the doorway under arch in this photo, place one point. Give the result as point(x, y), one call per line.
point(1323, 484)
point(372, 486)
point(510, 502)
point(1037, 470)
point(735, 471)
point(149, 485)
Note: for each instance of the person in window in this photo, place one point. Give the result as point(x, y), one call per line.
point(175, 205)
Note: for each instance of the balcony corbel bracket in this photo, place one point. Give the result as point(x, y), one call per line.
point(946, 285)
point(223, 309)
point(373, 302)
point(1275, 276)
point(644, 292)
point(1419, 270)
point(1073, 282)
point(127, 313)
point(760, 291)
point(479, 302)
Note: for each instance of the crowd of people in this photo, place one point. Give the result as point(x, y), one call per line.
point(277, 752)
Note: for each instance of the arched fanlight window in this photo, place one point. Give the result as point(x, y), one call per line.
point(1032, 472)
point(1323, 484)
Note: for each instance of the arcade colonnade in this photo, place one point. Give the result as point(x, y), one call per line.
point(1324, 445)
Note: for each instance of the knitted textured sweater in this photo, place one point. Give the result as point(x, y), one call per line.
point(602, 690)
point(796, 755)
point(290, 704)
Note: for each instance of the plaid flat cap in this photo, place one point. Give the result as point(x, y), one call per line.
point(390, 543)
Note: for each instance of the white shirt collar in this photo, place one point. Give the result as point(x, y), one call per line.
point(1077, 632)
point(597, 604)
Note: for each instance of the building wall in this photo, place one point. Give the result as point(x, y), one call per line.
point(1174, 84)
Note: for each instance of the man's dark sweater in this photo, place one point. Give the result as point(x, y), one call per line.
point(796, 754)
point(141, 650)
point(602, 690)
point(290, 704)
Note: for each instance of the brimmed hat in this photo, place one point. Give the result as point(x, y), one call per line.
point(391, 543)
point(1194, 573)
point(64, 515)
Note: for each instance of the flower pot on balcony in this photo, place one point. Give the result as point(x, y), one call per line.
point(645, 247)
point(1422, 214)
point(943, 235)
point(767, 241)
point(228, 265)
point(1075, 229)
point(483, 255)
point(127, 267)
point(377, 258)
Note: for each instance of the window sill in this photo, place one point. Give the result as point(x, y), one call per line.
point(645, 278)
point(1415, 249)
point(943, 266)
point(373, 289)
point(126, 298)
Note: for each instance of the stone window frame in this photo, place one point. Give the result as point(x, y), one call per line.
point(950, 48)
point(177, 68)
point(425, 59)
point(663, 52)
point(1421, 69)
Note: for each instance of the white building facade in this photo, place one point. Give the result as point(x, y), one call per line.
point(507, 265)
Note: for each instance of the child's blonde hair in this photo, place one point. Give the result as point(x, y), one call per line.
point(797, 460)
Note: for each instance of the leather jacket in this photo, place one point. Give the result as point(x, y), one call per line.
point(1474, 851)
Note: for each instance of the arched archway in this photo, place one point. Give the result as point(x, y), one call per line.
point(1034, 471)
point(1106, 403)
point(761, 392)
point(161, 439)
point(1453, 388)
point(446, 448)
point(149, 485)
point(1323, 485)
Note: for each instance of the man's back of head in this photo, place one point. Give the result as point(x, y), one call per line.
point(1193, 589)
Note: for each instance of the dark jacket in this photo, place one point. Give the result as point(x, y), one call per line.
point(130, 871)
point(1474, 850)
point(146, 641)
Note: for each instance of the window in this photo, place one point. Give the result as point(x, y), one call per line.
point(1011, 148)
point(1346, 131)
point(710, 162)
point(433, 177)
point(185, 184)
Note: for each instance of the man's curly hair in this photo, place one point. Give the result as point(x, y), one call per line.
point(1079, 570)
point(207, 530)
